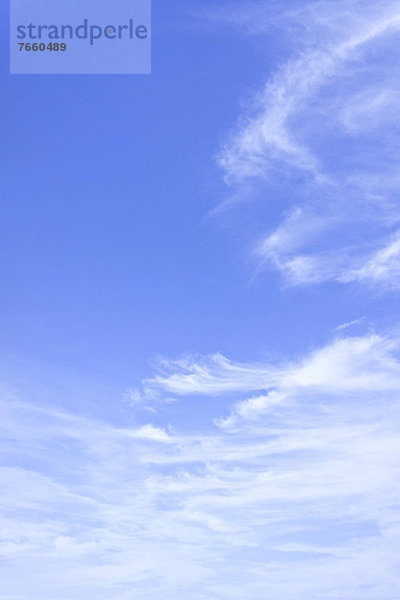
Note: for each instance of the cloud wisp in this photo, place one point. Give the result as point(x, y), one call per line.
point(322, 138)
point(295, 490)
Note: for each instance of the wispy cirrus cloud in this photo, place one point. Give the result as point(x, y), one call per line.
point(349, 365)
point(302, 476)
point(382, 266)
point(325, 127)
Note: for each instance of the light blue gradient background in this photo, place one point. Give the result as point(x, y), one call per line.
point(200, 270)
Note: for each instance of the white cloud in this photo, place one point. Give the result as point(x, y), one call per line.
point(324, 129)
point(364, 365)
point(212, 375)
point(349, 324)
point(382, 267)
point(270, 136)
point(302, 481)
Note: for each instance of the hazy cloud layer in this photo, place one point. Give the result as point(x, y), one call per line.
point(295, 490)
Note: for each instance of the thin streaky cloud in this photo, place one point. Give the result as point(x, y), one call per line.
point(326, 121)
point(310, 480)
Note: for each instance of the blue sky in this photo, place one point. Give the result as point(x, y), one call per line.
point(199, 339)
